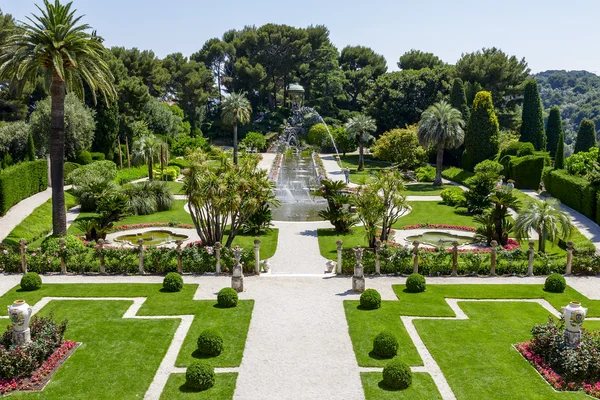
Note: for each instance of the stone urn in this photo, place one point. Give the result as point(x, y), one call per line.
point(266, 265)
point(330, 264)
point(20, 314)
point(574, 316)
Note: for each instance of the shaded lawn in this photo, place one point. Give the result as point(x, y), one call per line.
point(222, 390)
point(422, 388)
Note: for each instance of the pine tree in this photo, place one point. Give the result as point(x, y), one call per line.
point(458, 99)
point(586, 136)
point(532, 127)
point(559, 158)
point(30, 148)
point(554, 129)
point(481, 140)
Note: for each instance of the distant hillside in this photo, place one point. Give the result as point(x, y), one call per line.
point(577, 93)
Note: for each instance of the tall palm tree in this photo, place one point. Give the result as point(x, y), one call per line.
point(236, 110)
point(547, 219)
point(360, 128)
point(55, 46)
point(147, 149)
point(442, 127)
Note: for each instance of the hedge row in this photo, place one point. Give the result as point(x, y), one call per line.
point(526, 171)
point(574, 191)
point(22, 181)
point(456, 174)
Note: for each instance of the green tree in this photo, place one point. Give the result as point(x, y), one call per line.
point(586, 136)
point(344, 142)
point(236, 110)
point(68, 56)
point(362, 66)
point(559, 158)
point(146, 66)
point(554, 130)
point(107, 128)
point(481, 141)
point(30, 148)
point(532, 128)
point(13, 139)
point(417, 59)
point(360, 128)
point(161, 119)
point(215, 54)
point(546, 219)
point(441, 127)
point(401, 147)
point(370, 209)
point(338, 205)
point(458, 99)
point(147, 149)
point(389, 185)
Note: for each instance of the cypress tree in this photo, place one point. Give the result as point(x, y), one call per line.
point(554, 130)
point(458, 99)
point(532, 127)
point(559, 158)
point(481, 140)
point(30, 148)
point(586, 136)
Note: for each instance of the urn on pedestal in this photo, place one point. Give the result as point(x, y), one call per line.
point(574, 316)
point(20, 314)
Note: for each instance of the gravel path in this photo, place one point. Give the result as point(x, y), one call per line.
point(21, 210)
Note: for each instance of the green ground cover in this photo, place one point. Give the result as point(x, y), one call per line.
point(176, 187)
point(422, 388)
point(365, 176)
point(424, 189)
point(458, 345)
point(433, 212)
point(125, 353)
point(223, 388)
point(327, 238)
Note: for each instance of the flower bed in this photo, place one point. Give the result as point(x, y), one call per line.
point(151, 225)
point(319, 165)
point(441, 226)
point(275, 167)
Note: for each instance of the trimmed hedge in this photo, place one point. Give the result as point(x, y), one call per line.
point(385, 345)
point(210, 343)
point(518, 149)
point(574, 191)
point(227, 298)
point(555, 283)
point(415, 283)
point(397, 375)
point(31, 281)
point(83, 157)
point(370, 299)
point(527, 171)
point(97, 156)
point(200, 376)
point(21, 181)
point(456, 174)
point(173, 282)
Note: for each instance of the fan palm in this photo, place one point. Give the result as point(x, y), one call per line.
point(53, 44)
point(442, 127)
point(147, 149)
point(360, 128)
point(236, 110)
point(545, 218)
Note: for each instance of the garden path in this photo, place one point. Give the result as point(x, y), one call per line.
point(21, 210)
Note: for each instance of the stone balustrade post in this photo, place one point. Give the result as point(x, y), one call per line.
point(63, 266)
point(358, 279)
point(257, 256)
point(454, 258)
point(338, 268)
point(378, 246)
point(179, 242)
point(494, 245)
point(218, 256)
point(415, 252)
point(141, 253)
point(23, 249)
point(569, 258)
point(101, 255)
point(237, 277)
point(531, 255)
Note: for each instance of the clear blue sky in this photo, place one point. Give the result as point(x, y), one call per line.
point(550, 34)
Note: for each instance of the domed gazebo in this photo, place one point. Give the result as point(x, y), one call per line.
point(296, 93)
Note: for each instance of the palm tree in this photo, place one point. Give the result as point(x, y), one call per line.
point(54, 45)
point(359, 128)
point(147, 149)
point(547, 219)
point(236, 110)
point(441, 126)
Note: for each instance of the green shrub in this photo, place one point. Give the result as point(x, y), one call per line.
point(453, 196)
point(581, 163)
point(101, 170)
point(51, 244)
point(527, 171)
point(518, 149)
point(370, 299)
point(97, 156)
point(127, 175)
point(397, 375)
point(70, 167)
point(200, 376)
point(254, 140)
point(425, 174)
point(489, 167)
point(31, 281)
point(210, 343)
point(574, 191)
point(179, 162)
point(555, 283)
point(456, 174)
point(318, 136)
point(21, 181)
point(168, 174)
point(385, 345)
point(173, 282)
point(415, 283)
point(180, 147)
point(83, 157)
point(227, 298)
point(148, 197)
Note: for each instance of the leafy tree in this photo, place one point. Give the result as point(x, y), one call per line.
point(417, 59)
point(215, 54)
point(502, 201)
point(68, 56)
point(458, 99)
point(532, 128)
point(370, 209)
point(480, 185)
point(338, 201)
point(441, 127)
point(362, 66)
point(145, 65)
point(481, 141)
point(236, 110)
point(559, 158)
point(586, 136)
point(389, 185)
point(161, 119)
point(360, 128)
point(13, 139)
point(147, 149)
point(554, 130)
point(318, 135)
point(107, 128)
point(546, 219)
point(401, 147)
point(254, 140)
point(30, 148)
point(344, 142)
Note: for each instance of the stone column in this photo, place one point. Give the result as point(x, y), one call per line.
point(358, 280)
point(494, 245)
point(179, 242)
point(416, 257)
point(339, 257)
point(569, 258)
point(531, 253)
point(454, 258)
point(237, 278)
point(218, 256)
point(257, 256)
point(63, 266)
point(101, 254)
point(377, 256)
point(141, 252)
point(23, 248)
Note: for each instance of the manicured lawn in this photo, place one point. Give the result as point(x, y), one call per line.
point(475, 355)
point(424, 189)
point(38, 224)
point(176, 187)
point(422, 388)
point(327, 238)
point(223, 388)
point(362, 177)
point(432, 212)
point(175, 214)
point(125, 353)
point(268, 243)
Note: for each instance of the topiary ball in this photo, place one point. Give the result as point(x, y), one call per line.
point(415, 283)
point(210, 343)
point(397, 375)
point(31, 281)
point(227, 298)
point(173, 282)
point(385, 345)
point(555, 283)
point(370, 299)
point(200, 376)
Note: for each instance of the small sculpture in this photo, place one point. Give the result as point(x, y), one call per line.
point(20, 314)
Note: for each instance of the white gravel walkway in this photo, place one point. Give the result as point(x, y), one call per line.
point(21, 210)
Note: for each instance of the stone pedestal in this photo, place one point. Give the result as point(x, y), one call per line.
point(572, 338)
point(358, 284)
point(358, 280)
point(237, 282)
point(22, 337)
